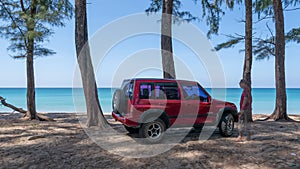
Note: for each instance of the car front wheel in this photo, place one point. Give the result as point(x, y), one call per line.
point(152, 132)
point(226, 125)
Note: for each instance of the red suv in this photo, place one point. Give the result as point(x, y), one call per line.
point(151, 106)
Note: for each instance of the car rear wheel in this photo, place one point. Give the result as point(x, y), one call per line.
point(226, 125)
point(153, 132)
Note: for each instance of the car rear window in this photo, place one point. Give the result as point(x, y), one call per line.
point(161, 91)
point(128, 89)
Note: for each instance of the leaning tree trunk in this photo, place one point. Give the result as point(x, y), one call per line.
point(166, 40)
point(280, 109)
point(248, 48)
point(94, 113)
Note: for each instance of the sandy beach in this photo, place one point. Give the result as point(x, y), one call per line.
point(65, 144)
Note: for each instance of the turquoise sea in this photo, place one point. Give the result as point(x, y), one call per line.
point(72, 100)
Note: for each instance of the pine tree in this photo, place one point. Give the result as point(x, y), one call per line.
point(275, 46)
point(271, 46)
point(27, 25)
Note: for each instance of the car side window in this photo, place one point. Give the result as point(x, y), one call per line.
point(145, 90)
point(160, 91)
point(194, 92)
point(168, 90)
point(203, 96)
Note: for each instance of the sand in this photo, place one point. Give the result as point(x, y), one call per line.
point(65, 144)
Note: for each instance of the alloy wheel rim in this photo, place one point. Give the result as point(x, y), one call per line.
point(228, 125)
point(154, 131)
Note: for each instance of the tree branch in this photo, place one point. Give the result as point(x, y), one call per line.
point(22, 6)
point(270, 30)
point(270, 51)
point(266, 41)
point(3, 102)
point(13, 20)
point(40, 116)
point(293, 9)
point(265, 17)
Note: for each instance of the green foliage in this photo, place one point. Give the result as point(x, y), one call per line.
point(264, 48)
point(228, 3)
point(265, 7)
point(25, 20)
point(293, 35)
point(211, 11)
point(230, 43)
point(156, 6)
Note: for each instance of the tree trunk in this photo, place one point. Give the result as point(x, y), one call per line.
point(31, 107)
point(248, 48)
point(94, 113)
point(280, 109)
point(166, 40)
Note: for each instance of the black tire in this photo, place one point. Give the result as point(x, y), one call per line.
point(152, 132)
point(132, 130)
point(226, 125)
point(118, 101)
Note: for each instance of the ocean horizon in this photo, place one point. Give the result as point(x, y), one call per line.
point(71, 100)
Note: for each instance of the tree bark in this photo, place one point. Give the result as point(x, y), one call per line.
point(94, 113)
point(31, 106)
point(166, 40)
point(248, 49)
point(280, 112)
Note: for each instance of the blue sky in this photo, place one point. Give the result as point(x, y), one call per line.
point(58, 70)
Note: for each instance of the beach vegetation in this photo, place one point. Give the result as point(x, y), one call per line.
point(271, 45)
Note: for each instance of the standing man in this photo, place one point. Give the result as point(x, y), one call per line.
point(245, 109)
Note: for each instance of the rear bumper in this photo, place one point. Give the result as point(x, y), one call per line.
point(124, 120)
